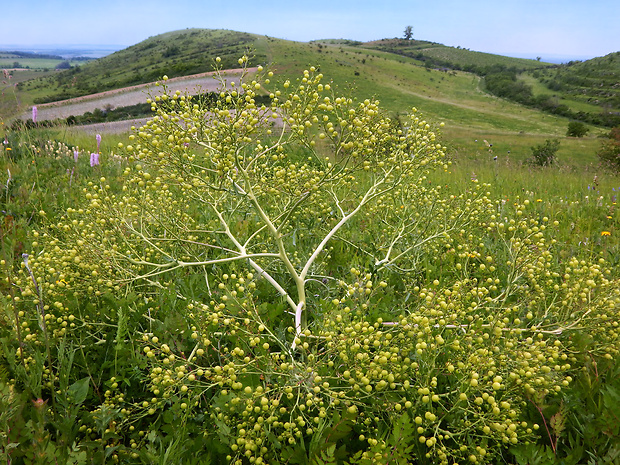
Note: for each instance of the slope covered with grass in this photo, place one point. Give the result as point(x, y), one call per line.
point(177, 53)
point(438, 55)
point(594, 82)
point(401, 74)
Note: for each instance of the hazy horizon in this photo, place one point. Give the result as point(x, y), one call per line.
point(101, 50)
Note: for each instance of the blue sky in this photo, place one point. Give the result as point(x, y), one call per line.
point(531, 28)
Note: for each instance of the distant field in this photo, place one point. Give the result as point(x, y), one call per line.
point(33, 63)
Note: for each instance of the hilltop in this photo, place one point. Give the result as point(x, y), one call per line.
point(191, 51)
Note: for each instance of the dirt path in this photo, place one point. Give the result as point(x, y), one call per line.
point(133, 95)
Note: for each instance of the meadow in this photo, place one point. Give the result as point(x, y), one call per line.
point(364, 285)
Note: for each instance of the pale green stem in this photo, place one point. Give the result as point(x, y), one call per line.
point(370, 195)
point(299, 282)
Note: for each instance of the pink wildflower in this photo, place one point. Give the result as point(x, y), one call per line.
point(39, 403)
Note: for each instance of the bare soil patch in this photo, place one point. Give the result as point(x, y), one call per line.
point(193, 84)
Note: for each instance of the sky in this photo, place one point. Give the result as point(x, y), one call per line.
point(572, 29)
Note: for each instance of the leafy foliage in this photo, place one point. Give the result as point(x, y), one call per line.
point(544, 154)
point(505, 84)
point(279, 283)
point(576, 129)
point(408, 34)
point(609, 153)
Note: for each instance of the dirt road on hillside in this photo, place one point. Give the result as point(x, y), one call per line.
point(194, 84)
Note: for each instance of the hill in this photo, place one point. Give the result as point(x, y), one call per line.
point(437, 55)
point(586, 91)
point(191, 51)
point(583, 85)
point(449, 84)
point(400, 81)
point(176, 53)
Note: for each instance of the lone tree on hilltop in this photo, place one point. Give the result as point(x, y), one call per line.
point(408, 33)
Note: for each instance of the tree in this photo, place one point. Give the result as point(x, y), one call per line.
point(409, 33)
point(63, 65)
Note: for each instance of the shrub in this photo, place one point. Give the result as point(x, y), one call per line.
point(609, 153)
point(544, 154)
point(505, 84)
point(576, 129)
point(279, 283)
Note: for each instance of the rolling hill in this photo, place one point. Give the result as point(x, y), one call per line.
point(589, 84)
point(448, 84)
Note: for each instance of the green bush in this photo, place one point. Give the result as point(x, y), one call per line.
point(609, 153)
point(576, 129)
point(280, 283)
point(544, 154)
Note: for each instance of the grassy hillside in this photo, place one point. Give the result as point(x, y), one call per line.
point(438, 55)
point(456, 97)
point(191, 51)
point(587, 91)
point(595, 82)
point(177, 53)
point(402, 74)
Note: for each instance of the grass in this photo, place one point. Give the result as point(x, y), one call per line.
point(460, 57)
point(372, 69)
point(35, 63)
point(43, 180)
point(585, 201)
point(579, 153)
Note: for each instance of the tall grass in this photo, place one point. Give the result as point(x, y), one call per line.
point(583, 198)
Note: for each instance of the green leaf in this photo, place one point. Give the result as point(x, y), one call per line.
point(326, 457)
point(78, 391)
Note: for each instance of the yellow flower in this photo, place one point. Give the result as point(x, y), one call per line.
point(605, 233)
